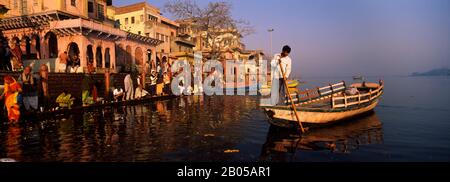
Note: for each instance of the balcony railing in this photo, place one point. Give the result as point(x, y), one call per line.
point(92, 25)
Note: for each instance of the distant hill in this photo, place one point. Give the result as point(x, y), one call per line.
point(434, 72)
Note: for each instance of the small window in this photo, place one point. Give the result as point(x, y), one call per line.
point(139, 32)
point(73, 3)
point(152, 18)
point(147, 34)
point(100, 11)
point(162, 50)
point(132, 20)
point(90, 7)
point(117, 24)
point(126, 21)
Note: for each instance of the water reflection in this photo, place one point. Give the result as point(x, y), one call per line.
point(183, 129)
point(193, 128)
point(282, 144)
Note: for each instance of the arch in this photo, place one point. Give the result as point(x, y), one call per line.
point(119, 54)
point(164, 63)
point(128, 55)
point(26, 47)
point(99, 57)
point(52, 43)
point(36, 46)
point(139, 56)
point(107, 58)
point(158, 61)
point(90, 54)
point(149, 55)
point(73, 51)
point(149, 59)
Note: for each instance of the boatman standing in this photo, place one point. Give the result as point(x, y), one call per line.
point(278, 90)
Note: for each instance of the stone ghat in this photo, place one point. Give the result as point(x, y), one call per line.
point(72, 83)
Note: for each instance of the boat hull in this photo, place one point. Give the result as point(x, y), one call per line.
point(285, 117)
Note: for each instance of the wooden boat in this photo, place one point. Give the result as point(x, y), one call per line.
point(341, 138)
point(78, 109)
point(326, 105)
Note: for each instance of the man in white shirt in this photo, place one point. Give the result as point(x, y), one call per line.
point(278, 90)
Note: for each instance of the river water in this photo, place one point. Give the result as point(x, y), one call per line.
point(411, 123)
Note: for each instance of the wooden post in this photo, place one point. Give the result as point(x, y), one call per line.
point(370, 94)
point(318, 90)
point(332, 101)
point(107, 82)
point(359, 98)
point(331, 88)
point(345, 100)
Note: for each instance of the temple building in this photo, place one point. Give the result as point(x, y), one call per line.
point(146, 20)
point(84, 28)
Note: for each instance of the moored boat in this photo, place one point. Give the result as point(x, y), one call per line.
point(64, 111)
point(326, 105)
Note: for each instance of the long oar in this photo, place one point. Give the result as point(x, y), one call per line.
point(289, 96)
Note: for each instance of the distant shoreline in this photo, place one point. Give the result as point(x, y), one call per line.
point(434, 72)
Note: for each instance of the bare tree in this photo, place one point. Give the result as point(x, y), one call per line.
point(212, 21)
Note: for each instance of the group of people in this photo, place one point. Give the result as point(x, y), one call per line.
point(20, 95)
point(23, 94)
point(157, 81)
point(68, 63)
point(10, 58)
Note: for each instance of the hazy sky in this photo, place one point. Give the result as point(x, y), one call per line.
point(349, 37)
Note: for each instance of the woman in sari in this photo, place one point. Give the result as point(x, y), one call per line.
point(11, 98)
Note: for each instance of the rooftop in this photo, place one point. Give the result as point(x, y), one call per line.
point(135, 7)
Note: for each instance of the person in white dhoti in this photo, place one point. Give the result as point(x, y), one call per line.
point(278, 90)
point(129, 90)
